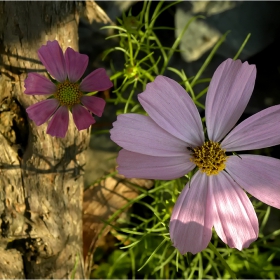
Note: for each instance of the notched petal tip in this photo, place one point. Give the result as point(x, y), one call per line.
point(52, 57)
point(82, 118)
point(170, 106)
point(98, 80)
point(191, 220)
point(256, 132)
point(36, 84)
point(59, 123)
point(76, 64)
point(258, 175)
point(228, 95)
point(42, 111)
point(235, 219)
point(95, 104)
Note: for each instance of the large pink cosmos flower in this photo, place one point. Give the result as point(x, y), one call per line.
point(170, 142)
point(67, 92)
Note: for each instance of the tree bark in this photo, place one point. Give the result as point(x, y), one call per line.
point(41, 182)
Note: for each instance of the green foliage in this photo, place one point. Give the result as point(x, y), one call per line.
point(117, 266)
point(144, 55)
point(148, 252)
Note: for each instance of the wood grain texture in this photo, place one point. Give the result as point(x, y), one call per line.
point(41, 177)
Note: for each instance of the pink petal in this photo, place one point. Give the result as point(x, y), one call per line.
point(52, 57)
point(76, 64)
point(134, 165)
point(95, 104)
point(259, 131)
point(191, 221)
point(97, 80)
point(59, 123)
point(140, 134)
point(82, 118)
point(235, 220)
point(228, 95)
point(38, 84)
point(170, 106)
point(42, 111)
point(258, 175)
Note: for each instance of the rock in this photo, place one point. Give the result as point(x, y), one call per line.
point(261, 19)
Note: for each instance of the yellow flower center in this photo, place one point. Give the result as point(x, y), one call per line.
point(210, 158)
point(68, 94)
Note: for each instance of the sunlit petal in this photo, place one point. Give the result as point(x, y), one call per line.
point(229, 92)
point(192, 221)
point(259, 131)
point(140, 134)
point(134, 165)
point(235, 220)
point(258, 175)
point(169, 105)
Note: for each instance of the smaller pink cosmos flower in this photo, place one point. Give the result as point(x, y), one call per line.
point(67, 93)
point(170, 142)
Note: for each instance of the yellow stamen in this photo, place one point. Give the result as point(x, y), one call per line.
point(68, 94)
point(210, 158)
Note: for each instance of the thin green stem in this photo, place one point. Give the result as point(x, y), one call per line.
point(130, 50)
point(158, 247)
point(177, 41)
point(242, 46)
point(201, 93)
point(155, 14)
point(142, 12)
point(149, 30)
point(208, 59)
point(266, 216)
point(160, 47)
point(199, 104)
point(188, 86)
point(219, 256)
point(147, 74)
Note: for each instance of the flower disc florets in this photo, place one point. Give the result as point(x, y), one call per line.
point(210, 158)
point(68, 94)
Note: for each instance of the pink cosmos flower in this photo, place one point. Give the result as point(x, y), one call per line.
point(170, 142)
point(67, 92)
